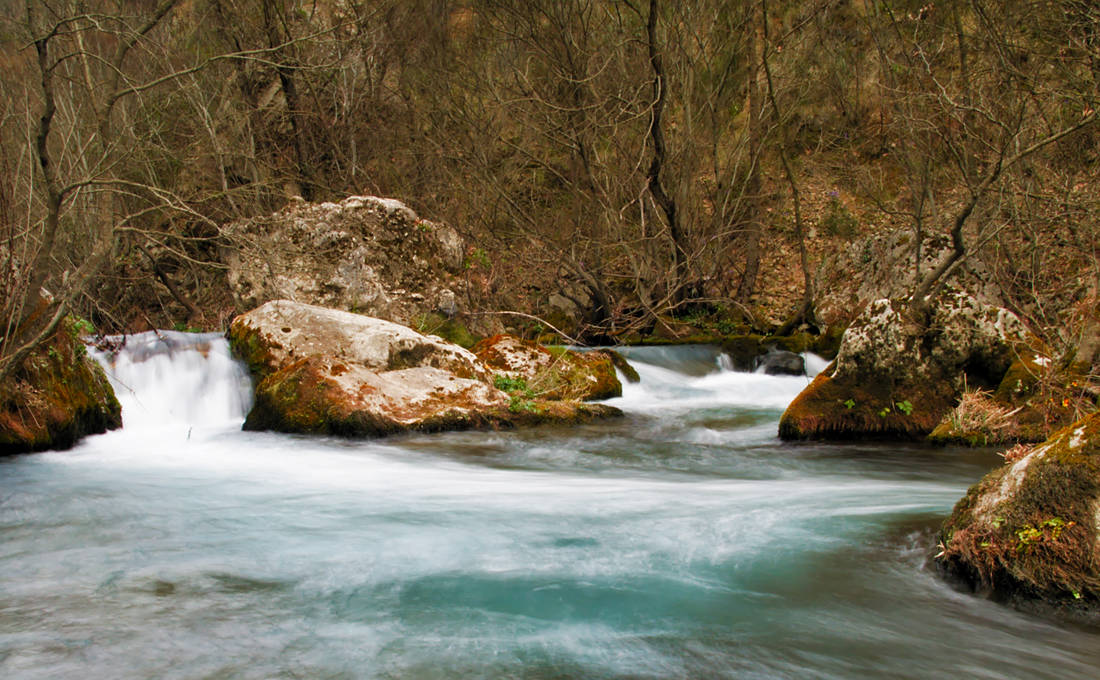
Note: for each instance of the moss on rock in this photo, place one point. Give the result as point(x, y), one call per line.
point(897, 374)
point(321, 371)
point(56, 397)
point(845, 408)
point(553, 373)
point(1033, 399)
point(1027, 532)
point(452, 330)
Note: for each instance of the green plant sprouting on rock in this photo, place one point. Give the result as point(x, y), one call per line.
point(511, 385)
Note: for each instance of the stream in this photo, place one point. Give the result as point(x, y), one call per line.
point(681, 541)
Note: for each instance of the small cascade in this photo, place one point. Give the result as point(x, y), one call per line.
point(168, 378)
point(692, 377)
point(814, 364)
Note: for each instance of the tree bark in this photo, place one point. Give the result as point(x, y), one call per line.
point(755, 227)
point(678, 284)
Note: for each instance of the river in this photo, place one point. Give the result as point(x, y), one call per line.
point(681, 541)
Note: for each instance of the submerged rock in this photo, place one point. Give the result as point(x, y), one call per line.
point(552, 373)
point(895, 375)
point(780, 362)
point(326, 371)
point(1028, 532)
point(56, 397)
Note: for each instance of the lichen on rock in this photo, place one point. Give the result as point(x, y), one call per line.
point(58, 395)
point(326, 371)
point(896, 374)
point(1027, 533)
point(363, 254)
point(554, 373)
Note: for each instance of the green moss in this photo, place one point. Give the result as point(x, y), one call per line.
point(1036, 543)
point(451, 330)
point(56, 397)
point(246, 343)
point(843, 408)
point(743, 350)
point(623, 366)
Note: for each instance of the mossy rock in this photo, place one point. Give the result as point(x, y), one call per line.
point(322, 371)
point(451, 330)
point(898, 372)
point(946, 435)
point(56, 397)
point(1042, 408)
point(827, 344)
point(1027, 533)
point(797, 343)
point(319, 396)
point(624, 367)
point(743, 350)
point(1032, 398)
point(553, 373)
point(1022, 378)
point(554, 412)
point(847, 409)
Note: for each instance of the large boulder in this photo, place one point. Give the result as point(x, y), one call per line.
point(897, 373)
point(881, 266)
point(1028, 532)
point(363, 254)
point(327, 371)
point(58, 395)
point(552, 373)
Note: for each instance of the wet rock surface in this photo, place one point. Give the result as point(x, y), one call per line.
point(1027, 532)
point(57, 396)
point(326, 371)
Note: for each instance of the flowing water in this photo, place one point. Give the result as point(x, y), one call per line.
point(682, 541)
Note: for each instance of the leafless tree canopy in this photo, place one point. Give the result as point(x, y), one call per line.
point(634, 155)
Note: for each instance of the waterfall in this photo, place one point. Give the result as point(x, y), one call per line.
point(168, 379)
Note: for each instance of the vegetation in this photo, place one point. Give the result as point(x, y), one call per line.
point(645, 160)
point(1026, 532)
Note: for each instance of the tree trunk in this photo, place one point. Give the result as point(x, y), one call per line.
point(678, 285)
point(755, 226)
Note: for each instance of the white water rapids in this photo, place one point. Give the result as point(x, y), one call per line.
point(681, 541)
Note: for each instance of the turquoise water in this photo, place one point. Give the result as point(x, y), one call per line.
point(682, 541)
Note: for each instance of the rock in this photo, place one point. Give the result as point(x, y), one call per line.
point(896, 376)
point(780, 362)
point(326, 371)
point(881, 266)
point(364, 254)
point(552, 373)
point(1027, 533)
point(281, 332)
point(1036, 396)
point(56, 397)
point(745, 350)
